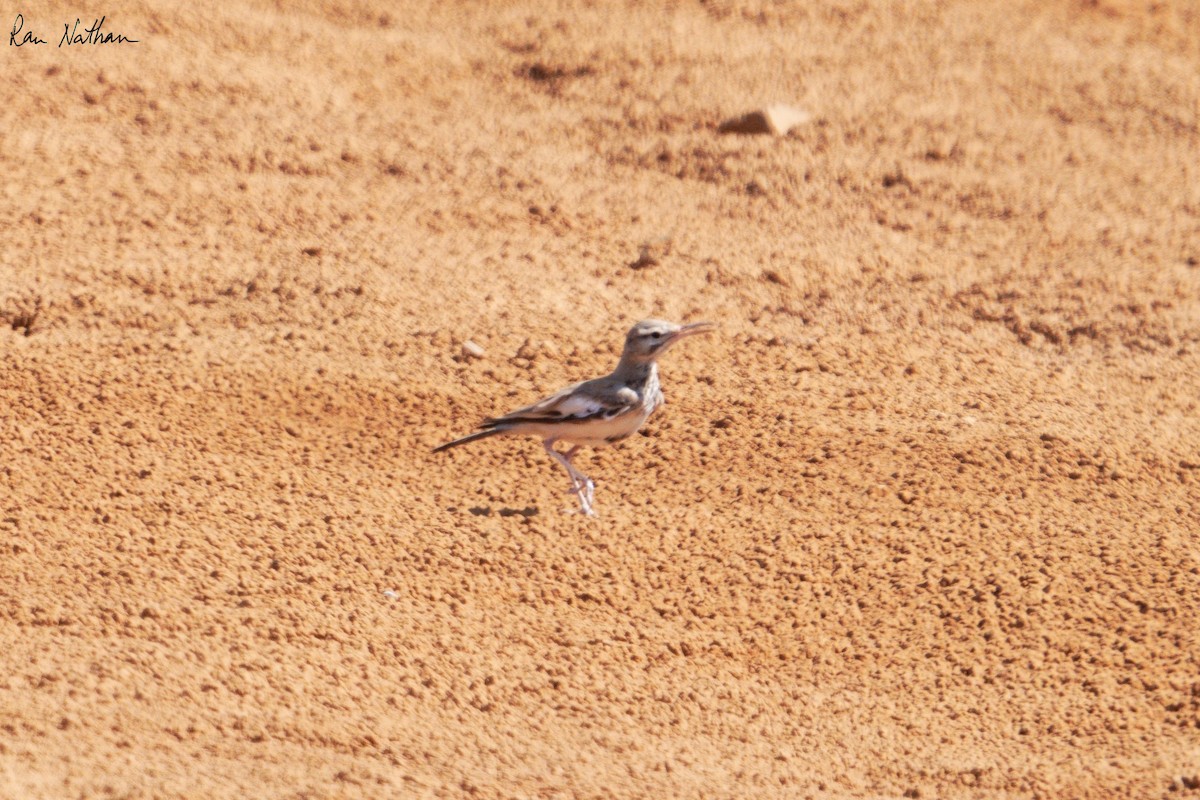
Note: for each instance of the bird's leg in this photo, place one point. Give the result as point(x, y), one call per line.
point(579, 482)
point(565, 460)
point(583, 482)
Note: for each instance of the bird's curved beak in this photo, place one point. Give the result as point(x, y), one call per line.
point(693, 329)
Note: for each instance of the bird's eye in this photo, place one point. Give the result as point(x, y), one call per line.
point(655, 335)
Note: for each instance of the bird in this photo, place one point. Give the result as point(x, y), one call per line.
point(599, 412)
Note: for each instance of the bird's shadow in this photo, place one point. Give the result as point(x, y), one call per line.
point(486, 511)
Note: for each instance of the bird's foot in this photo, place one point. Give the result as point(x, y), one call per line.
point(590, 513)
point(586, 492)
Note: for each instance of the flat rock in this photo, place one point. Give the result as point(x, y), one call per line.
point(776, 120)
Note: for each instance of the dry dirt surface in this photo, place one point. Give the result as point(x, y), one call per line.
point(921, 520)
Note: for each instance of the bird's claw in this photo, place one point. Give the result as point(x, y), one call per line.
point(586, 492)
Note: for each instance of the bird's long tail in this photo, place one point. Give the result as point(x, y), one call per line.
point(469, 438)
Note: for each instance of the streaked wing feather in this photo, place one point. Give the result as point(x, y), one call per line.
point(572, 404)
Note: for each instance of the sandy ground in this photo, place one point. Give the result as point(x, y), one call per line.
point(922, 519)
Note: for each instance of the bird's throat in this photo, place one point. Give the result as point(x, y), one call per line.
point(636, 374)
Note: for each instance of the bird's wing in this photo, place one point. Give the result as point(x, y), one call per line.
point(583, 401)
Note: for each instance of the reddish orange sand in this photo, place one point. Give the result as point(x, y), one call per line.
point(921, 520)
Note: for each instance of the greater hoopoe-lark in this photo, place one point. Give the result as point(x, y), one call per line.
point(598, 412)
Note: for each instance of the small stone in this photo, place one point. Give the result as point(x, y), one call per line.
point(651, 253)
point(759, 187)
point(776, 120)
point(472, 350)
point(774, 276)
point(528, 351)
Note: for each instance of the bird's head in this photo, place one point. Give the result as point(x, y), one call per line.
point(650, 338)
